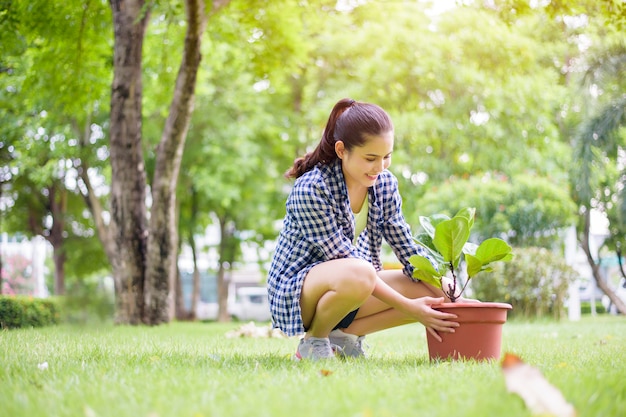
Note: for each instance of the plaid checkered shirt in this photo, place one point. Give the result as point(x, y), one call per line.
point(319, 226)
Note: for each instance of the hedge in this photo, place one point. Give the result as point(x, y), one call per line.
point(535, 282)
point(23, 311)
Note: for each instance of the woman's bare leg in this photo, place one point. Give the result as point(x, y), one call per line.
point(374, 315)
point(333, 289)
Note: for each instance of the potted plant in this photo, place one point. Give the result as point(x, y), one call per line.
point(446, 241)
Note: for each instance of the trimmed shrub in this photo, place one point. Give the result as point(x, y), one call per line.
point(585, 308)
point(11, 313)
point(535, 283)
point(22, 311)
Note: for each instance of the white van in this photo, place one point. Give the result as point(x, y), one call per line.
point(244, 304)
point(250, 303)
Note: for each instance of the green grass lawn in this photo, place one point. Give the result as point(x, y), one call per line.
point(192, 369)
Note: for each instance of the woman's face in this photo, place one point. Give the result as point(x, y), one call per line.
point(362, 165)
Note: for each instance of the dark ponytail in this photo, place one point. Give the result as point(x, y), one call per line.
point(325, 150)
point(349, 121)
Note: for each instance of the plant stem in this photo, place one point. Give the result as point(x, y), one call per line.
point(451, 293)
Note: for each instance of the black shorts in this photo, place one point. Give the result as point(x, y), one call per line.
point(347, 320)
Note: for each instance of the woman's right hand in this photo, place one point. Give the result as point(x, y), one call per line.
point(435, 321)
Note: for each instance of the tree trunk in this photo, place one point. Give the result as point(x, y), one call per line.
point(144, 260)
point(59, 257)
point(222, 293)
point(226, 259)
point(602, 284)
point(57, 196)
point(180, 312)
point(222, 281)
point(128, 178)
point(163, 238)
point(195, 292)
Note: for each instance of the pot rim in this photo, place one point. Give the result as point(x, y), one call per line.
point(485, 304)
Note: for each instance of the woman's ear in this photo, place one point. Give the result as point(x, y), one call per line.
point(339, 149)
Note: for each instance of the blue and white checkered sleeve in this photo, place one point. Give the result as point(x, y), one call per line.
point(397, 231)
point(311, 207)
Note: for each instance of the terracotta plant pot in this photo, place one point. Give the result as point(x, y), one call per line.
point(479, 335)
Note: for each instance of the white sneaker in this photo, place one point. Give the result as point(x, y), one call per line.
point(350, 345)
point(315, 348)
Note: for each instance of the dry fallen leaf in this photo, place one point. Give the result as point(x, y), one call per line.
point(540, 397)
point(252, 330)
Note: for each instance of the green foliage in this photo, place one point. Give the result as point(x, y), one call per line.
point(535, 283)
point(87, 301)
point(478, 89)
point(85, 255)
point(70, 46)
point(20, 311)
point(598, 177)
point(529, 210)
point(54, 80)
point(446, 240)
point(585, 308)
point(235, 153)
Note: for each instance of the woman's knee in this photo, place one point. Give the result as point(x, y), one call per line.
point(349, 276)
point(359, 277)
point(351, 280)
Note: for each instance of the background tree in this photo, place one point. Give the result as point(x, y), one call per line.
point(151, 294)
point(527, 211)
point(482, 91)
point(600, 185)
point(479, 100)
point(39, 129)
point(593, 117)
point(235, 130)
point(144, 265)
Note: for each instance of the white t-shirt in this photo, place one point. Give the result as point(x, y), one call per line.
point(360, 219)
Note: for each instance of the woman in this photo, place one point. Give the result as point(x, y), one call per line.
point(326, 276)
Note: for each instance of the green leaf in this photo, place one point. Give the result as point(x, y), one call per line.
point(474, 265)
point(428, 279)
point(427, 243)
point(427, 225)
point(492, 250)
point(422, 263)
point(507, 258)
point(424, 270)
point(435, 219)
point(424, 239)
point(450, 238)
point(467, 213)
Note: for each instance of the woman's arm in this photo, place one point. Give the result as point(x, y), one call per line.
point(395, 229)
point(419, 308)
